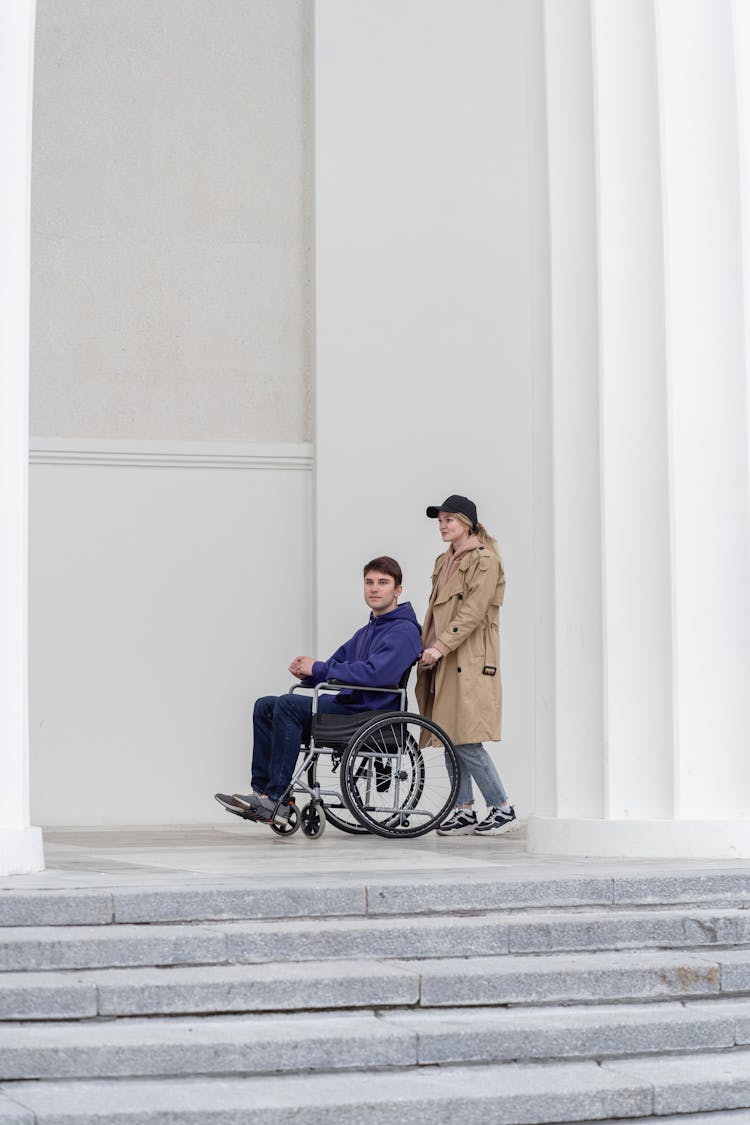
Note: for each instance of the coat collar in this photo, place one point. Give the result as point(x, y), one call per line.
point(456, 581)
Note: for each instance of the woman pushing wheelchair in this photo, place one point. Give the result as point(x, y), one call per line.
point(458, 683)
point(398, 773)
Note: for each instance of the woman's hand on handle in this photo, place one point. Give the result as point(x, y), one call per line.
point(430, 657)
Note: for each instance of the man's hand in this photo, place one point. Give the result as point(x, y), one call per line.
point(302, 666)
point(430, 657)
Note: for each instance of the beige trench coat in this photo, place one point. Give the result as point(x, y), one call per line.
point(467, 700)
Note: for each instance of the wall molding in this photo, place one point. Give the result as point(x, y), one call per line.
point(295, 456)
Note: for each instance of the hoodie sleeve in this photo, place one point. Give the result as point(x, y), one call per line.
point(393, 650)
point(320, 667)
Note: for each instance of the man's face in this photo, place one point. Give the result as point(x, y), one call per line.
point(381, 592)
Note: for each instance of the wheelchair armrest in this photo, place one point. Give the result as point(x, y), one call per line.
point(336, 684)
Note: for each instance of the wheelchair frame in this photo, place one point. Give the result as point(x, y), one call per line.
point(313, 816)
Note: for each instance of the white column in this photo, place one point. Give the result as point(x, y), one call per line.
point(20, 845)
point(633, 417)
point(578, 727)
point(705, 314)
point(672, 441)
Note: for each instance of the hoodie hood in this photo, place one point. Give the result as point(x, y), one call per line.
point(403, 612)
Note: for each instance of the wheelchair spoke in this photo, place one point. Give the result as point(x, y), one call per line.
point(392, 785)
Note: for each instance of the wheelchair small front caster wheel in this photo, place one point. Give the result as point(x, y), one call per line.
point(313, 820)
point(291, 825)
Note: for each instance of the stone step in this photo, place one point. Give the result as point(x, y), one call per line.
point(215, 988)
point(335, 1041)
point(721, 1117)
point(522, 1094)
point(405, 894)
point(58, 947)
point(511, 979)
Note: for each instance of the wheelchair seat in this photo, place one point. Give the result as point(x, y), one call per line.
point(336, 731)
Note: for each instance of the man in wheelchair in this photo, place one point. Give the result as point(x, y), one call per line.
point(376, 656)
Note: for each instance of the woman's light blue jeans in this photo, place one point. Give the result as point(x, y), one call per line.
point(475, 762)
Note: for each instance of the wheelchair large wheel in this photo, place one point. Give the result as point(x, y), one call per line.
point(393, 786)
point(321, 771)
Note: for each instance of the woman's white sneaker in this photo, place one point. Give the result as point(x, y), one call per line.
point(460, 823)
point(497, 822)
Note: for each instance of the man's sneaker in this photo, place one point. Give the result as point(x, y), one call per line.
point(242, 800)
point(232, 805)
point(460, 823)
point(497, 822)
point(266, 808)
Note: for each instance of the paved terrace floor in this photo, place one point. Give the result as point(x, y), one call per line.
point(240, 854)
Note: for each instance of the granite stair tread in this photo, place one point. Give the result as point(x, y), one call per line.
point(374, 894)
point(507, 979)
point(265, 1043)
point(570, 997)
point(516, 1094)
point(126, 944)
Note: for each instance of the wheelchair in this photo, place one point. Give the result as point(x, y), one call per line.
point(392, 773)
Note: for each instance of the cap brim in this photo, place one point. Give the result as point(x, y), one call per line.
point(433, 512)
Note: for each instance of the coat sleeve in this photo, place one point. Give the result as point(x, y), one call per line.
point(485, 582)
point(389, 657)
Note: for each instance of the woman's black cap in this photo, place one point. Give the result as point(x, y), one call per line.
point(460, 504)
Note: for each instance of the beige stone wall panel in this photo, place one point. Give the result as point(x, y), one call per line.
point(172, 220)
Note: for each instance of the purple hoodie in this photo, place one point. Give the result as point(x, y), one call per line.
point(378, 654)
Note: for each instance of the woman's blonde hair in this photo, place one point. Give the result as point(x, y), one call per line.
point(481, 532)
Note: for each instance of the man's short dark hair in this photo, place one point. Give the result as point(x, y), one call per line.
point(386, 565)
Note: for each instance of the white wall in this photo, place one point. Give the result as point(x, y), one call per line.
point(170, 585)
point(171, 332)
point(431, 299)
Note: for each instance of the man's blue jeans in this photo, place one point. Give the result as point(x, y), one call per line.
point(280, 723)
